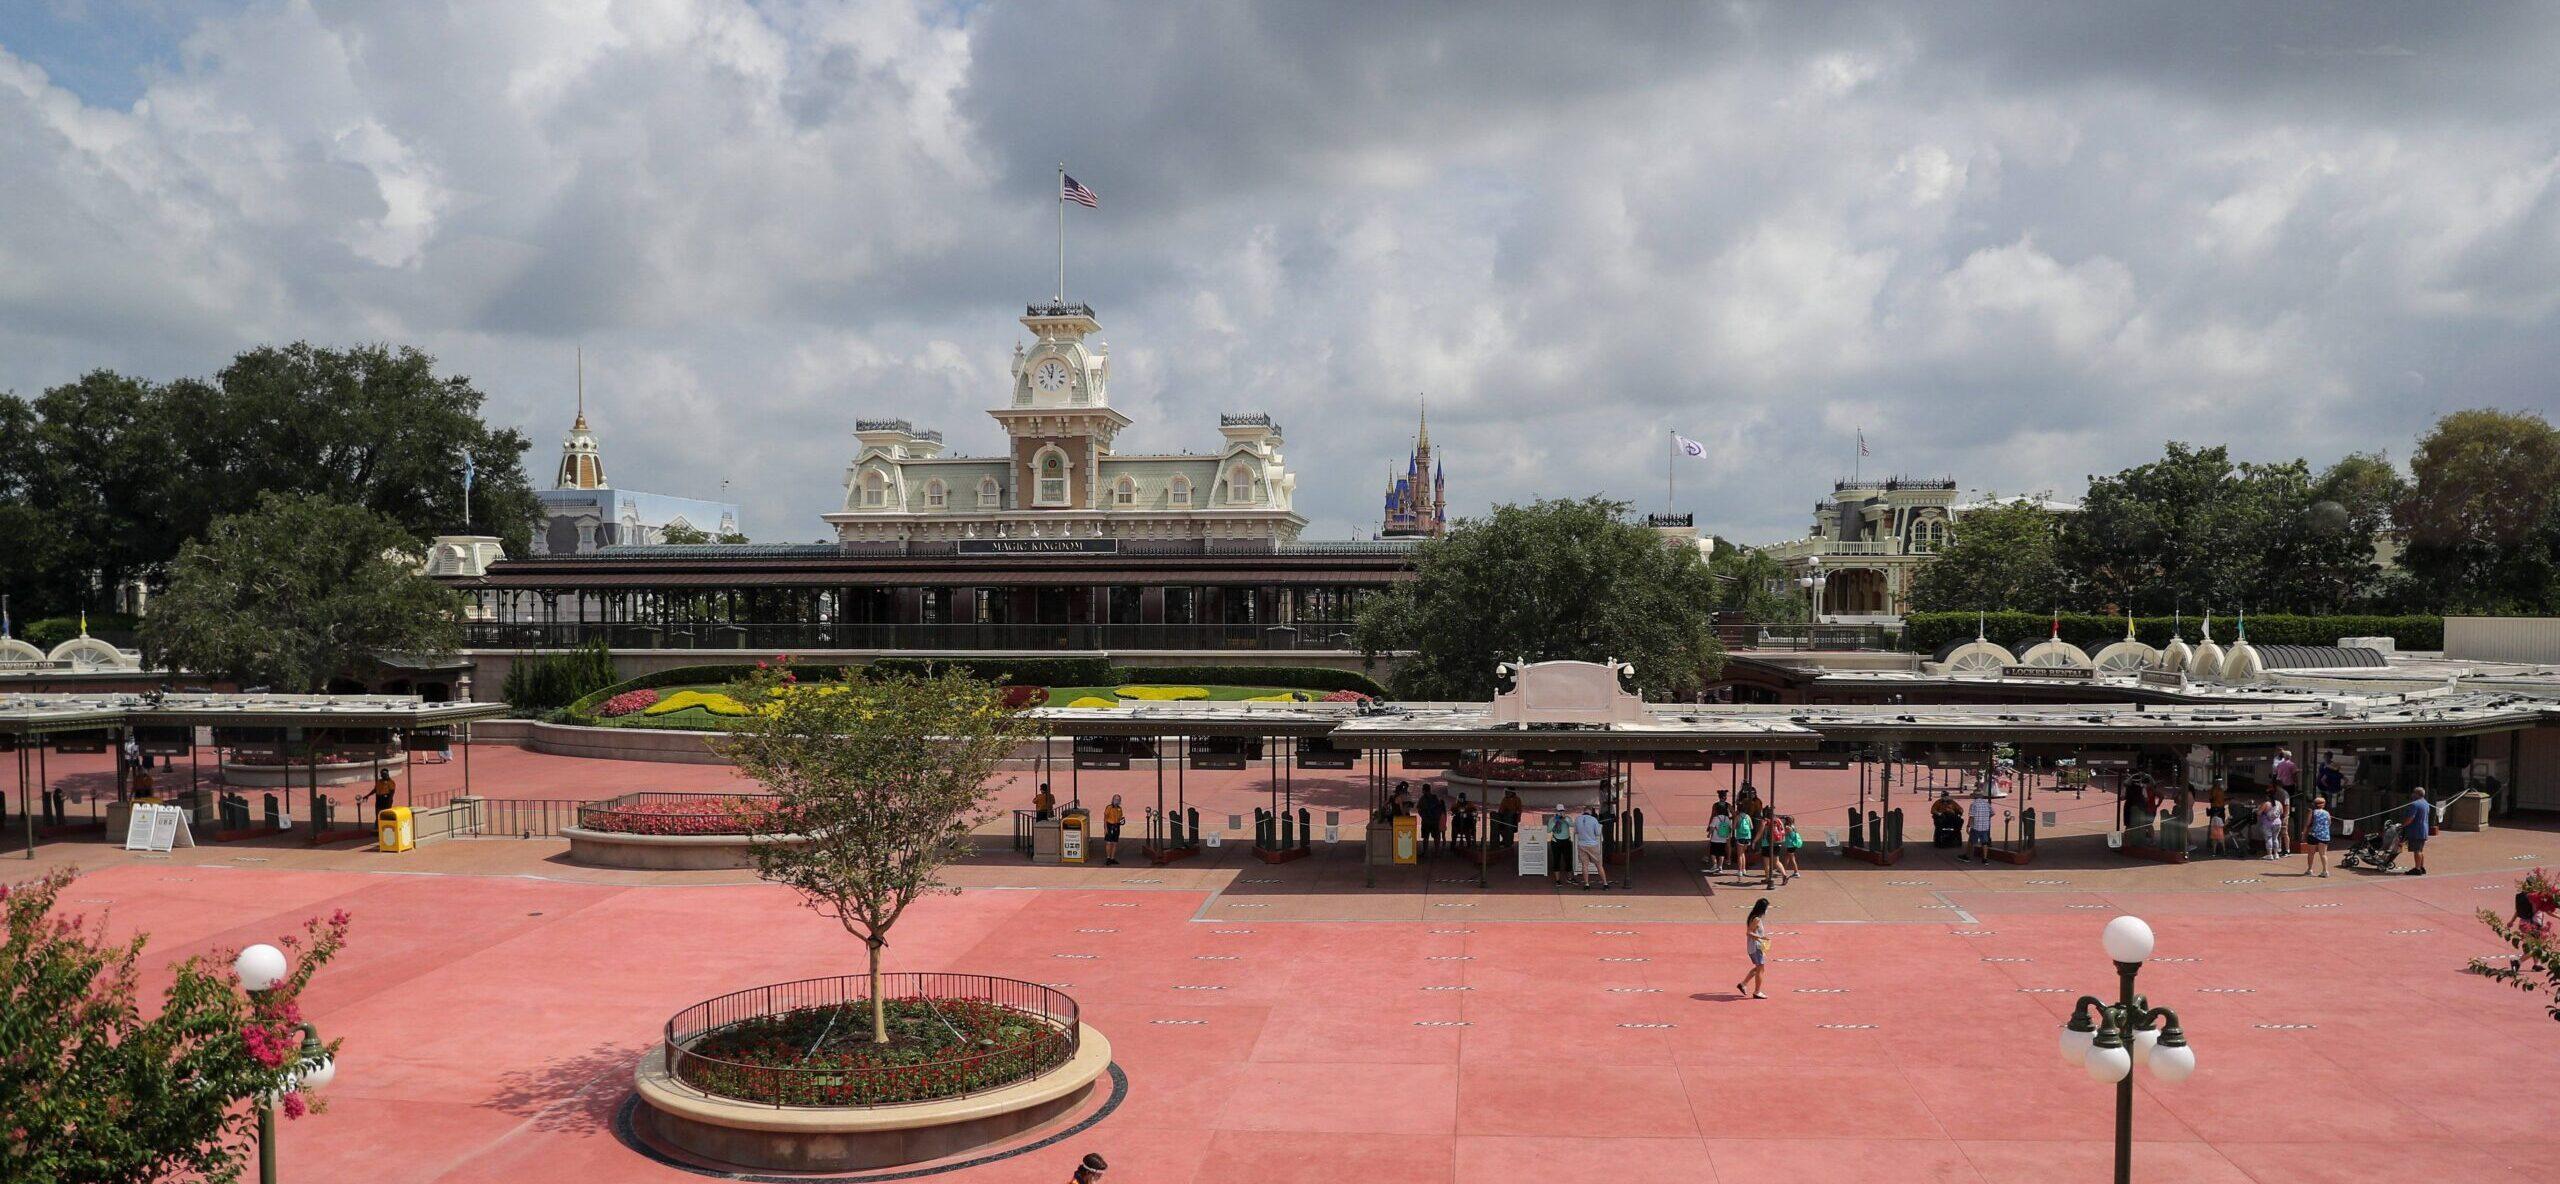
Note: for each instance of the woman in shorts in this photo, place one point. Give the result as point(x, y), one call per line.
point(1112, 817)
point(1755, 938)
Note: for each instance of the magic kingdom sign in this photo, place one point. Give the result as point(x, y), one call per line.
point(1039, 547)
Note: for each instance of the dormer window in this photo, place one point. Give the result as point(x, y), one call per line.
point(875, 489)
point(935, 494)
point(1179, 493)
point(1240, 484)
point(990, 495)
point(1928, 535)
point(1050, 472)
point(1124, 492)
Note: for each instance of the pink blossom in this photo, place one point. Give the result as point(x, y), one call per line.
point(294, 1107)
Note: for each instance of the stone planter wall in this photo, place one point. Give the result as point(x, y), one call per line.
point(666, 853)
point(812, 1139)
point(287, 776)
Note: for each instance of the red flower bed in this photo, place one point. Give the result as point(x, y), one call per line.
point(628, 702)
point(1018, 697)
point(708, 815)
point(1508, 769)
point(1343, 697)
point(823, 1056)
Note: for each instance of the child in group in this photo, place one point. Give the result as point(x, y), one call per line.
point(1719, 840)
point(1795, 843)
point(1742, 842)
point(2216, 815)
point(2270, 826)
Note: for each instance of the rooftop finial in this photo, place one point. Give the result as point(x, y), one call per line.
point(1977, 626)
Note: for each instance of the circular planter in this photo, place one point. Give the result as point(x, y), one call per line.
point(1535, 795)
point(762, 1135)
point(666, 853)
point(248, 776)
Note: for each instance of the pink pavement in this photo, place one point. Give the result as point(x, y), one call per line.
point(491, 1023)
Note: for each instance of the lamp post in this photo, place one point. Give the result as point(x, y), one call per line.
point(2105, 1038)
point(1812, 583)
point(260, 968)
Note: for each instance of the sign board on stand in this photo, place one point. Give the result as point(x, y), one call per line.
point(1533, 854)
point(158, 828)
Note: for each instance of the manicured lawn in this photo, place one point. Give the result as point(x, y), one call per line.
point(699, 719)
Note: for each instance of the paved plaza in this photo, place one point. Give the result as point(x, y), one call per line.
point(1287, 1024)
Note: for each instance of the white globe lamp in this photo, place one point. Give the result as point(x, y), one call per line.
point(2128, 939)
point(260, 967)
point(2172, 1063)
point(319, 1075)
point(2075, 1046)
point(2109, 1064)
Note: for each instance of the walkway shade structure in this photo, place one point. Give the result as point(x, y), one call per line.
point(164, 725)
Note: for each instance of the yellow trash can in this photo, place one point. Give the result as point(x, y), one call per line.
point(1072, 835)
point(393, 830)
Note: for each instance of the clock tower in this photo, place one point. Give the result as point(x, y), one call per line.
point(1060, 421)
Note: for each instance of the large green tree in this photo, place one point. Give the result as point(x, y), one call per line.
point(2197, 530)
point(2481, 518)
point(1556, 579)
point(2003, 557)
point(1751, 584)
point(102, 479)
point(296, 590)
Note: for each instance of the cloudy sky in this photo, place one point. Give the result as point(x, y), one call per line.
point(2016, 244)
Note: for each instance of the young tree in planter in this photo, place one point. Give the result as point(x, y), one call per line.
point(93, 1089)
point(886, 776)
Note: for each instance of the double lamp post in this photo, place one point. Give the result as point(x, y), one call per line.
point(260, 968)
point(2106, 1038)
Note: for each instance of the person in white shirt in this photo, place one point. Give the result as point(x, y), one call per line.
point(1586, 848)
point(1978, 830)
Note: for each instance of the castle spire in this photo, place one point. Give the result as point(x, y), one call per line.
point(1422, 434)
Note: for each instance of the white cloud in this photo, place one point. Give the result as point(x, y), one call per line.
point(2018, 249)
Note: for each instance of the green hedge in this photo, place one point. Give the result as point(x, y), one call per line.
point(1299, 678)
point(115, 629)
point(1042, 672)
point(1925, 632)
point(554, 681)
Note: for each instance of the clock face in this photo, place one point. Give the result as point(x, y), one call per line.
point(1051, 376)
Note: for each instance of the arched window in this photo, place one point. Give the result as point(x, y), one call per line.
point(1928, 535)
point(1050, 468)
point(1180, 491)
point(1239, 484)
point(875, 489)
point(936, 494)
point(1124, 492)
point(990, 495)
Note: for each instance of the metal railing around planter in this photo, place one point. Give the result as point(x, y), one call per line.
point(725, 813)
point(1052, 1012)
point(525, 818)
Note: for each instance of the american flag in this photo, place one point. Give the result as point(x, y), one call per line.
point(1069, 189)
point(1862, 443)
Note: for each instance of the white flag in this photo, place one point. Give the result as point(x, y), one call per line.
point(1688, 445)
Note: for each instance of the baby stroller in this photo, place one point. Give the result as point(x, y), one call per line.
point(2377, 850)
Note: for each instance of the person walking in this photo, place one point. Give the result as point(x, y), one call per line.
point(1112, 817)
point(2217, 816)
point(1090, 1169)
point(1435, 815)
point(1795, 844)
point(2283, 836)
point(1508, 819)
point(1977, 839)
point(1587, 854)
point(2315, 838)
point(1719, 839)
point(1755, 938)
point(2421, 822)
point(2267, 817)
point(1742, 842)
point(1773, 847)
point(1462, 824)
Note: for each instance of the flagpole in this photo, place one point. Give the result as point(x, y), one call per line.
point(1858, 463)
point(1670, 481)
point(1061, 196)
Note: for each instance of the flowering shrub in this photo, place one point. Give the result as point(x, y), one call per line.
point(1344, 697)
point(1163, 694)
point(705, 815)
point(2535, 966)
point(1509, 769)
point(823, 1056)
point(628, 702)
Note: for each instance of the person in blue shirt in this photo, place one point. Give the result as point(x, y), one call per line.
point(2414, 830)
point(2315, 838)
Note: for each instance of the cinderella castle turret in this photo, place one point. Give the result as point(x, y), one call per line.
point(1417, 503)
